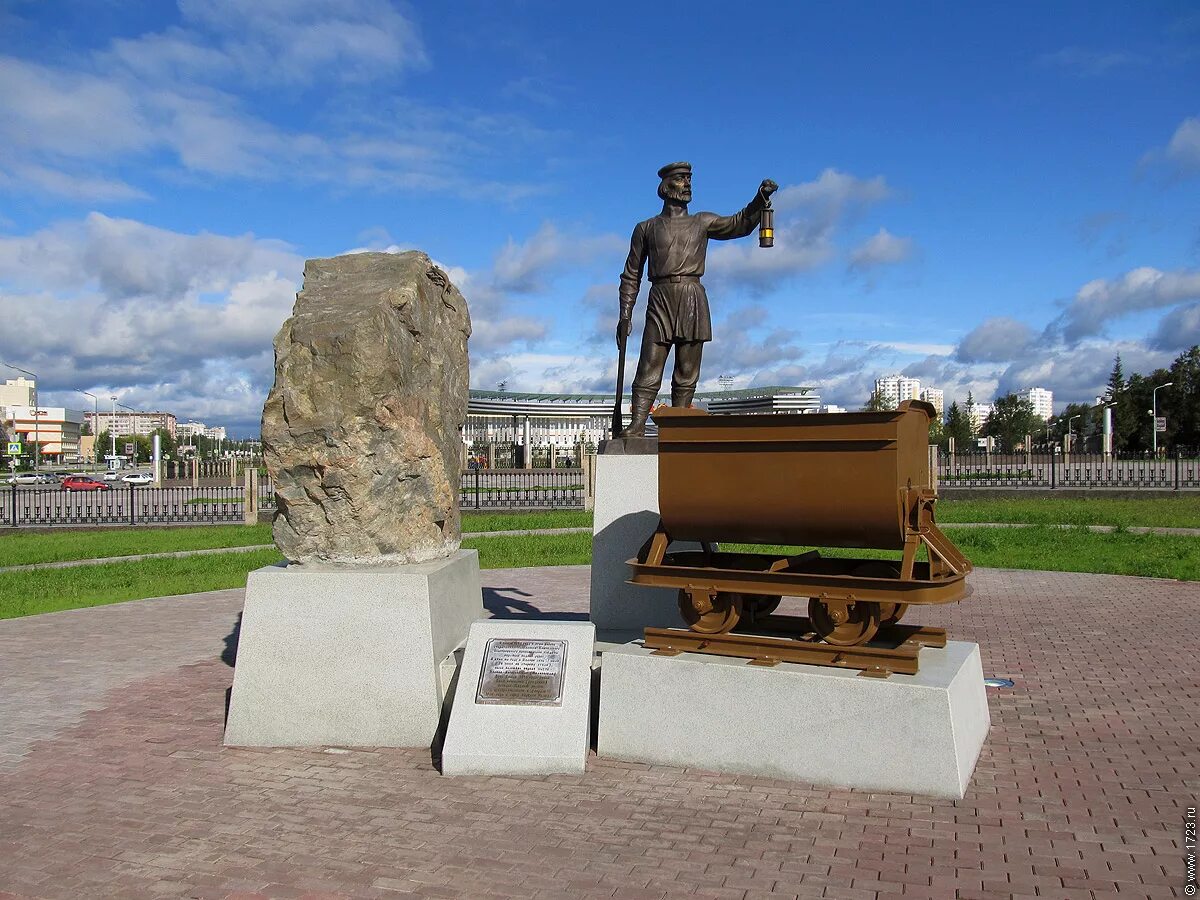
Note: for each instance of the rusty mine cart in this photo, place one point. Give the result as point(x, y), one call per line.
point(846, 480)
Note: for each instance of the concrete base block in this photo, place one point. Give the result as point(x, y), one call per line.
point(508, 739)
point(910, 734)
point(626, 515)
point(350, 656)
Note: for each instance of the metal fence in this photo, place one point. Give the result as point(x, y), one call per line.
point(121, 505)
point(522, 488)
point(1075, 470)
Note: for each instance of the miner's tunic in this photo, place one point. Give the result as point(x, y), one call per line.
point(677, 308)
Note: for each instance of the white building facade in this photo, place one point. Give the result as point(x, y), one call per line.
point(937, 397)
point(124, 422)
point(1040, 399)
point(54, 429)
point(895, 389)
point(17, 392)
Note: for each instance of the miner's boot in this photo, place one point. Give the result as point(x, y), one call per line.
point(637, 424)
point(682, 398)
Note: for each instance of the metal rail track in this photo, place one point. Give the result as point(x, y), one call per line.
point(895, 650)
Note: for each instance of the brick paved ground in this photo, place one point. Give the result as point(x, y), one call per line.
point(113, 781)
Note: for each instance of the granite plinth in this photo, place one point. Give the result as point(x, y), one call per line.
point(910, 734)
point(350, 656)
point(626, 515)
point(522, 737)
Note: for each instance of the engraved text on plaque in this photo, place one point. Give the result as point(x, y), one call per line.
point(522, 673)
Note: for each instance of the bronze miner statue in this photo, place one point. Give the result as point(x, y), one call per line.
point(675, 243)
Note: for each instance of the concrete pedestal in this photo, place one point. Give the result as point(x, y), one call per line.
point(348, 656)
point(911, 734)
point(626, 515)
point(517, 739)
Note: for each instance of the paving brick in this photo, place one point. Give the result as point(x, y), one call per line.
point(113, 780)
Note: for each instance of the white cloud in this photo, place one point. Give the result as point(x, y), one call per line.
point(145, 312)
point(1181, 156)
point(1082, 61)
point(881, 249)
point(1102, 300)
point(994, 340)
point(1184, 148)
point(1179, 329)
point(292, 42)
point(807, 215)
point(525, 267)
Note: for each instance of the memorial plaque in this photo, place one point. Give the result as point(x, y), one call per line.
point(522, 673)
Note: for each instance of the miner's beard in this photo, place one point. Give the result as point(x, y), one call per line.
point(679, 195)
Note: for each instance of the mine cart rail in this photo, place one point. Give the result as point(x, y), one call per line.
point(900, 655)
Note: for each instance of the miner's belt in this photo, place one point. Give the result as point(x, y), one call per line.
point(674, 279)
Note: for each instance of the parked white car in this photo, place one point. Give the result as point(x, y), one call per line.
point(31, 478)
point(112, 475)
point(138, 478)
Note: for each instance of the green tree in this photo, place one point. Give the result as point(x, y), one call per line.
point(103, 445)
point(1010, 420)
point(1124, 416)
point(958, 426)
point(1081, 428)
point(1180, 403)
point(877, 403)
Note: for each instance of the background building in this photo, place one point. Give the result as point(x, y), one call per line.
point(17, 392)
point(1040, 399)
point(894, 389)
point(190, 430)
point(977, 414)
point(54, 428)
point(937, 397)
point(566, 420)
point(124, 422)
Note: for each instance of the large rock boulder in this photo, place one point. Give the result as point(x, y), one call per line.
point(362, 429)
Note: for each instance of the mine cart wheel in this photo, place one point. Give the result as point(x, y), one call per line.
point(708, 614)
point(859, 625)
point(759, 606)
point(891, 613)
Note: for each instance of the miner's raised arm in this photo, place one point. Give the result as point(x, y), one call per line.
point(740, 224)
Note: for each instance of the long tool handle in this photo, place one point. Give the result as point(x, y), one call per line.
point(616, 420)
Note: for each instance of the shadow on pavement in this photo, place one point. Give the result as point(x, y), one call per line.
point(505, 603)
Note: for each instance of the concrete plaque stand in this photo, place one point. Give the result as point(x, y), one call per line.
point(626, 515)
point(911, 734)
point(510, 739)
point(350, 656)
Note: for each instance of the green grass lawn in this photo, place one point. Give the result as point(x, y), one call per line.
point(1039, 547)
point(1176, 512)
point(19, 547)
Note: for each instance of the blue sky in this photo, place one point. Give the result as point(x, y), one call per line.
point(987, 196)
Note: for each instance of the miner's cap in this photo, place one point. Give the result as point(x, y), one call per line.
point(674, 169)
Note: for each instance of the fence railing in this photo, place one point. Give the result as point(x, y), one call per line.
point(124, 504)
point(1074, 470)
point(523, 488)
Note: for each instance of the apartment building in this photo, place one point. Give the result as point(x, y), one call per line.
point(1040, 399)
point(894, 389)
point(124, 422)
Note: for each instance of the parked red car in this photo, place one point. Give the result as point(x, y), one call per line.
point(83, 483)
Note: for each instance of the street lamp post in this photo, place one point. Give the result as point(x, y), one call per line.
point(112, 432)
point(1154, 415)
point(95, 409)
point(37, 436)
point(1070, 436)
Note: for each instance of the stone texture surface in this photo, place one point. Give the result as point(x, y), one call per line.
point(510, 739)
point(114, 783)
point(361, 431)
point(330, 655)
point(915, 734)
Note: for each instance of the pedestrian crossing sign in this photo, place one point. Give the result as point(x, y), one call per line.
point(14, 448)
